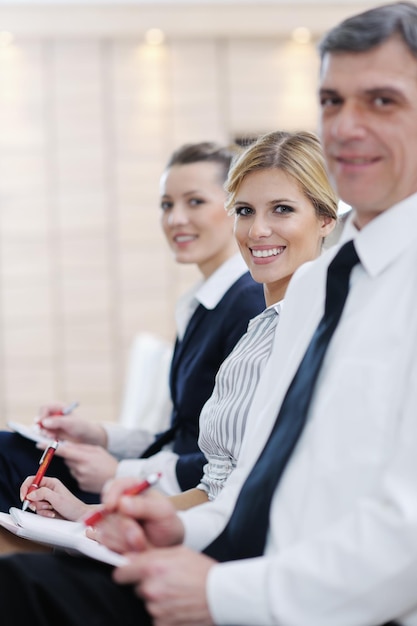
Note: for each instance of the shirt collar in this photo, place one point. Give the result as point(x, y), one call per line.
point(270, 311)
point(385, 237)
point(212, 290)
point(275, 307)
point(208, 292)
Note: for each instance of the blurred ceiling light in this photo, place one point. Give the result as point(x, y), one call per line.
point(154, 36)
point(301, 35)
point(6, 38)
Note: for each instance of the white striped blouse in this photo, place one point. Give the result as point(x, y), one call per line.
point(223, 417)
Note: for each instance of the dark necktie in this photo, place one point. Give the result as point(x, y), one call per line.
point(161, 440)
point(246, 532)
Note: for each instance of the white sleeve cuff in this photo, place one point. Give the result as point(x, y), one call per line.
point(164, 462)
point(125, 443)
point(237, 593)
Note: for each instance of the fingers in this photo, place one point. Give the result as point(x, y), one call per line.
point(91, 533)
point(134, 571)
point(75, 451)
point(70, 451)
point(113, 490)
point(39, 501)
point(53, 495)
point(148, 506)
point(121, 534)
point(155, 513)
point(44, 509)
point(51, 483)
point(53, 423)
point(25, 486)
point(49, 409)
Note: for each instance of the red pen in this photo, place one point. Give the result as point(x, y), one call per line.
point(44, 463)
point(68, 409)
point(98, 515)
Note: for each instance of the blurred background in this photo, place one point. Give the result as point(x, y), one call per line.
point(94, 96)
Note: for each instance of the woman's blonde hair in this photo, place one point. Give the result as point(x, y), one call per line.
point(299, 154)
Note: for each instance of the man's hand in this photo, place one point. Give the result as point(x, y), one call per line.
point(138, 522)
point(90, 465)
point(172, 582)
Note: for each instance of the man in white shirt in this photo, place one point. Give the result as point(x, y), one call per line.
point(342, 542)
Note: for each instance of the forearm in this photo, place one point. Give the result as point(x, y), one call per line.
point(188, 499)
point(356, 569)
point(327, 581)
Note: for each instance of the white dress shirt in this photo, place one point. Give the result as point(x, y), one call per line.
point(342, 546)
point(126, 444)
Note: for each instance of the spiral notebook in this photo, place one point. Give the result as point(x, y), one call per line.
point(62, 534)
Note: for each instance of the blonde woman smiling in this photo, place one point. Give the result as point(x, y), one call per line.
point(283, 207)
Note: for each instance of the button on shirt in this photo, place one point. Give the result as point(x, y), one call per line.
point(342, 547)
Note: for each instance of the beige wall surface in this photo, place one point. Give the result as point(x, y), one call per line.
point(88, 116)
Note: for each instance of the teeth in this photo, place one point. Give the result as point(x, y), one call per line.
point(266, 253)
point(184, 238)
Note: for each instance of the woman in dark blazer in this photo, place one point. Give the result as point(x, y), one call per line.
point(211, 318)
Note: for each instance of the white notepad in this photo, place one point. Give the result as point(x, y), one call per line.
point(58, 533)
point(32, 432)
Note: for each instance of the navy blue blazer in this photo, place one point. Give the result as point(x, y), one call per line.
point(209, 338)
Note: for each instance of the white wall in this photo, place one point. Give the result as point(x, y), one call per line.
point(88, 117)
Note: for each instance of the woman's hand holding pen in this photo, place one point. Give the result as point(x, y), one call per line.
point(62, 425)
point(53, 499)
point(91, 466)
point(84, 448)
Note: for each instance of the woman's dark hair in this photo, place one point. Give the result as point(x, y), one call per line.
point(207, 151)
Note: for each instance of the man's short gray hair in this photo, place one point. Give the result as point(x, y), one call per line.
point(371, 28)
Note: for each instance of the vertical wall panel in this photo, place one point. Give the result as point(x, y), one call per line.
point(86, 126)
point(195, 84)
point(272, 86)
point(141, 140)
point(27, 341)
point(82, 224)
